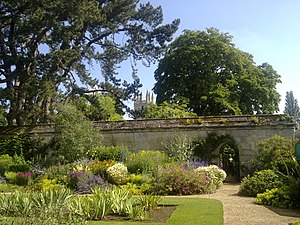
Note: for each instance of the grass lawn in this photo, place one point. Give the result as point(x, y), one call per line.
point(190, 211)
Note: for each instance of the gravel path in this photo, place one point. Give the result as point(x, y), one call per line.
point(243, 210)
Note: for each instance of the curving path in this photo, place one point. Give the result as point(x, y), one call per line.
point(240, 210)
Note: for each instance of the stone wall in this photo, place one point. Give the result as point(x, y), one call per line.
point(149, 134)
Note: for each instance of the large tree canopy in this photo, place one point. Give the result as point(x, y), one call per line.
point(216, 77)
point(47, 46)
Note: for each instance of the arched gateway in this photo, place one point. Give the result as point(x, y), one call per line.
point(233, 153)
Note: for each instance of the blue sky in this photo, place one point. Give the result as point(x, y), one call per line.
point(267, 29)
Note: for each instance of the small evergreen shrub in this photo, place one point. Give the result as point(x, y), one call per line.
point(145, 161)
point(117, 173)
point(260, 182)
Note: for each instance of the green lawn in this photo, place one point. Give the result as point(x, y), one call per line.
point(190, 211)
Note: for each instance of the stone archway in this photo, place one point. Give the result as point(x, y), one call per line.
point(229, 161)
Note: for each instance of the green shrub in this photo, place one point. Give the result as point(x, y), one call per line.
point(100, 167)
point(117, 173)
point(101, 153)
point(180, 148)
point(5, 162)
point(277, 197)
point(145, 161)
point(74, 134)
point(179, 179)
point(57, 172)
point(275, 153)
point(260, 182)
point(20, 144)
point(11, 177)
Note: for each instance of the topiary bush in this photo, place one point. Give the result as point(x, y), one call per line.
point(259, 182)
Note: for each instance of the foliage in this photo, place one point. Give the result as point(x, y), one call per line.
point(291, 105)
point(176, 109)
point(145, 161)
point(216, 77)
point(179, 179)
point(205, 147)
point(20, 144)
point(73, 35)
point(40, 207)
point(117, 173)
point(83, 182)
point(47, 184)
point(277, 197)
point(180, 148)
point(100, 167)
point(11, 177)
point(259, 182)
point(5, 162)
point(24, 178)
point(57, 172)
point(215, 174)
point(116, 153)
point(98, 107)
point(74, 135)
point(275, 153)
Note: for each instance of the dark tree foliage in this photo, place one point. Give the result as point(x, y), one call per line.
point(47, 47)
point(216, 77)
point(291, 105)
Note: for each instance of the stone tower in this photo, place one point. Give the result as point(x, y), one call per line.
point(140, 103)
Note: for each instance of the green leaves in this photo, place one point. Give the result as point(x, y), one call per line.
point(48, 47)
point(216, 78)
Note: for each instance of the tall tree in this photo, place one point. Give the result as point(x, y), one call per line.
point(216, 77)
point(47, 46)
point(291, 105)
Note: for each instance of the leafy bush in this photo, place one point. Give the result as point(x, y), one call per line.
point(57, 172)
point(117, 173)
point(274, 153)
point(179, 179)
point(11, 177)
point(20, 144)
point(180, 148)
point(260, 182)
point(277, 197)
point(100, 167)
point(101, 153)
point(145, 161)
point(215, 174)
point(47, 184)
point(5, 162)
point(74, 134)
